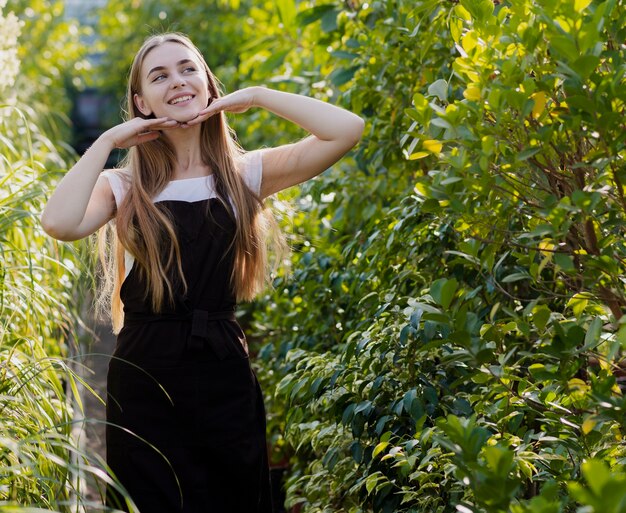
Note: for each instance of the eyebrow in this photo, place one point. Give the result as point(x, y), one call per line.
point(159, 68)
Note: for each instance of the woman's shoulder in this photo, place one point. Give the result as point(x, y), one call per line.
point(119, 181)
point(250, 165)
point(118, 172)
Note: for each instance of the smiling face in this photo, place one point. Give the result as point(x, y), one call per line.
point(174, 83)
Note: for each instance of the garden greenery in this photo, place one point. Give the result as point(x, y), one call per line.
point(451, 337)
point(448, 335)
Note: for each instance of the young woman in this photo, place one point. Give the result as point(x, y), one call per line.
point(186, 421)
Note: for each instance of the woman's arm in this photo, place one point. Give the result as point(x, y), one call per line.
point(334, 131)
point(83, 201)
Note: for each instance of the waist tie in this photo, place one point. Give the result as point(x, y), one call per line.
point(200, 320)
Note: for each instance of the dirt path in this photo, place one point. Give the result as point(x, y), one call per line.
point(96, 354)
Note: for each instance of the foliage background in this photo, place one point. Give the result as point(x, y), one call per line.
point(450, 338)
point(447, 335)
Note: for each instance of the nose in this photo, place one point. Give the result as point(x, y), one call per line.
point(178, 80)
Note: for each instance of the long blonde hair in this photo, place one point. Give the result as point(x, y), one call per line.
point(142, 227)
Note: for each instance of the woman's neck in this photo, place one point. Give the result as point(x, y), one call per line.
point(186, 143)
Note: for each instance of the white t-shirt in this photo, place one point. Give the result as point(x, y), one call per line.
point(188, 189)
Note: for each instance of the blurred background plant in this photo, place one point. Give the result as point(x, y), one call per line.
point(450, 336)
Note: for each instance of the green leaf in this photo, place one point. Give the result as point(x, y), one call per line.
point(380, 448)
point(564, 261)
point(308, 16)
point(273, 61)
point(440, 122)
point(443, 290)
point(566, 46)
point(499, 460)
point(527, 153)
point(585, 65)
point(287, 13)
point(356, 449)
point(420, 102)
point(329, 20)
point(541, 316)
point(456, 29)
point(372, 481)
point(342, 54)
point(516, 277)
point(540, 372)
point(480, 10)
point(439, 88)
point(593, 333)
point(596, 474)
point(408, 399)
point(348, 414)
point(340, 76)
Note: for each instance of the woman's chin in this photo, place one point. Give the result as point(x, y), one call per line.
point(184, 117)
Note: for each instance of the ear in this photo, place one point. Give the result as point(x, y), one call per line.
point(141, 105)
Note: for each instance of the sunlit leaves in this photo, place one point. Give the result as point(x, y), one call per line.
point(602, 490)
point(8, 49)
point(472, 92)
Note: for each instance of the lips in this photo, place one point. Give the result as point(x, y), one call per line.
point(181, 98)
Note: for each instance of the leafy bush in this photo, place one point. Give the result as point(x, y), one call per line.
point(450, 337)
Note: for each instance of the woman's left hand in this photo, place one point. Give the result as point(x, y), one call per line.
point(237, 101)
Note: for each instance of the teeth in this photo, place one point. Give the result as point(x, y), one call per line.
point(181, 99)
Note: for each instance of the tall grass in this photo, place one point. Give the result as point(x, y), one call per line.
point(43, 289)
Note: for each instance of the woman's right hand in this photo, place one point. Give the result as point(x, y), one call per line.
point(137, 131)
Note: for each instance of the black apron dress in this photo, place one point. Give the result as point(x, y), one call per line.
point(185, 415)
